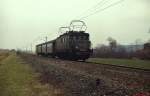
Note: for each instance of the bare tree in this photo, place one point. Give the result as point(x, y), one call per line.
point(112, 43)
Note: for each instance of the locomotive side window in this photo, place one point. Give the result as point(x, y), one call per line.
point(70, 37)
point(86, 37)
point(74, 37)
point(77, 37)
point(83, 38)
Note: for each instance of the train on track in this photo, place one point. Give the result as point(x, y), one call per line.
point(74, 44)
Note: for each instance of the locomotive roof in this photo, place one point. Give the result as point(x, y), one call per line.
point(75, 33)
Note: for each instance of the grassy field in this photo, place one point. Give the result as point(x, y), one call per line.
point(18, 79)
point(135, 63)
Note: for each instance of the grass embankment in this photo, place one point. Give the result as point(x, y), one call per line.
point(134, 63)
point(3, 55)
point(18, 79)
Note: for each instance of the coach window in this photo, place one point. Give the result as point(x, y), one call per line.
point(64, 39)
point(61, 40)
point(67, 37)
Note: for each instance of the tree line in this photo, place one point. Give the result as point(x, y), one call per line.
point(116, 50)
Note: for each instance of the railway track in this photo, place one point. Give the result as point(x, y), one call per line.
point(119, 66)
point(102, 64)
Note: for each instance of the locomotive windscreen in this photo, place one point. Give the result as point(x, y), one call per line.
point(80, 42)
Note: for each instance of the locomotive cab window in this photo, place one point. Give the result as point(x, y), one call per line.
point(79, 37)
point(71, 37)
point(83, 38)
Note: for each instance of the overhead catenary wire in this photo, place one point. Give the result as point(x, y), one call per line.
point(100, 10)
point(99, 4)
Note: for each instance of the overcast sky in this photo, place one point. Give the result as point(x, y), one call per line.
point(23, 22)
